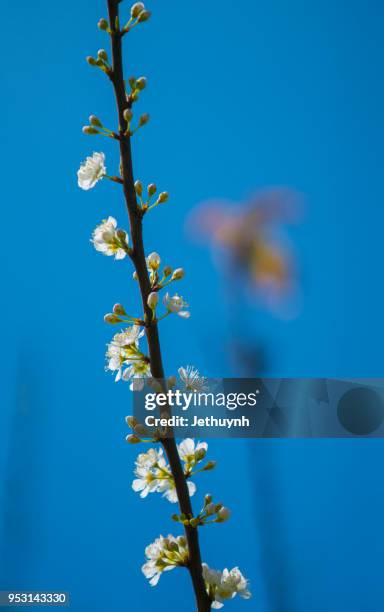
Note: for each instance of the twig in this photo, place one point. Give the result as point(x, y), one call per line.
point(138, 258)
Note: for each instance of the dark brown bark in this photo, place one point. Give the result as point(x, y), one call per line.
point(138, 257)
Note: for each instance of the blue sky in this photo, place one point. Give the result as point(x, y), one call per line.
point(242, 97)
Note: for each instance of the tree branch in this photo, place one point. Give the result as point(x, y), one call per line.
point(138, 257)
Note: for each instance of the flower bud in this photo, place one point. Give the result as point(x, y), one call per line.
point(141, 83)
point(175, 517)
point(223, 515)
point(153, 261)
point(143, 119)
point(136, 9)
point(128, 114)
point(194, 522)
point(87, 129)
point(151, 189)
point(178, 274)
point(210, 509)
point(207, 498)
point(139, 188)
point(103, 24)
point(132, 439)
point(163, 197)
point(144, 16)
point(134, 276)
point(210, 466)
point(167, 271)
point(102, 54)
point(152, 300)
point(131, 421)
point(112, 319)
point(122, 236)
point(93, 120)
point(91, 60)
point(171, 381)
point(200, 454)
point(140, 430)
point(118, 309)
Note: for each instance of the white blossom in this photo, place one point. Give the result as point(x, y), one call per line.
point(109, 240)
point(176, 305)
point(154, 476)
point(137, 372)
point(153, 261)
point(190, 452)
point(91, 171)
point(149, 466)
point(164, 554)
point(225, 585)
point(192, 379)
point(123, 350)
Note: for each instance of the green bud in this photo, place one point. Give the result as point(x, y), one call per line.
point(93, 120)
point(87, 129)
point(143, 119)
point(103, 24)
point(136, 9)
point(140, 430)
point(128, 114)
point(139, 188)
point(175, 517)
point(132, 439)
point(178, 275)
point(210, 509)
point(163, 197)
point(131, 421)
point(171, 381)
point(112, 319)
point(194, 522)
point(102, 54)
point(141, 83)
point(91, 60)
point(144, 16)
point(200, 454)
point(223, 515)
point(122, 236)
point(167, 271)
point(134, 276)
point(210, 466)
point(207, 499)
point(153, 300)
point(132, 82)
point(118, 309)
point(151, 189)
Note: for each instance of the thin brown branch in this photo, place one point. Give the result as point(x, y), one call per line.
point(138, 257)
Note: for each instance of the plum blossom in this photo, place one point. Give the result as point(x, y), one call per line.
point(176, 305)
point(109, 240)
point(191, 379)
point(91, 171)
point(164, 554)
point(224, 585)
point(192, 453)
point(154, 476)
point(123, 350)
point(136, 373)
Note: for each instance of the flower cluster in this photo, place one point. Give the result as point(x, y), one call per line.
point(110, 240)
point(225, 585)
point(154, 474)
point(164, 554)
point(210, 513)
point(125, 358)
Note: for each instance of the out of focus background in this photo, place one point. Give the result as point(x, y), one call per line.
point(267, 129)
